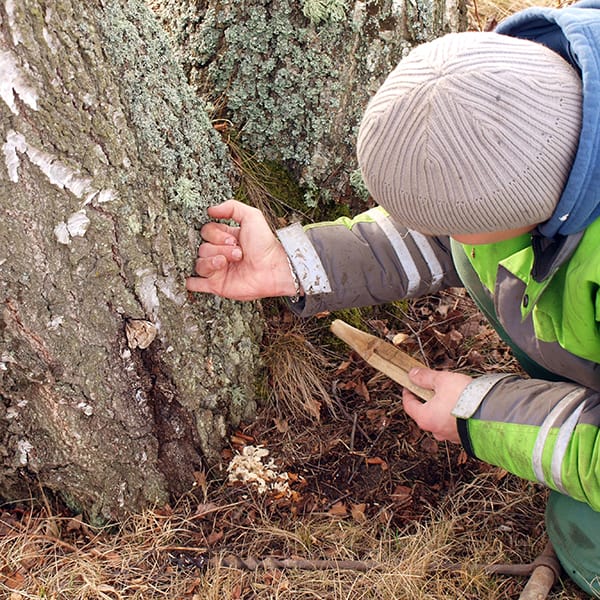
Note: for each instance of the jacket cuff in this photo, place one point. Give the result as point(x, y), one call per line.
point(465, 439)
point(472, 396)
point(305, 260)
point(468, 403)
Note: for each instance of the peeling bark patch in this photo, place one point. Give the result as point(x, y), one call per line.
point(78, 223)
point(14, 83)
point(62, 234)
point(24, 447)
point(178, 447)
point(13, 143)
point(50, 41)
point(104, 196)
point(59, 174)
point(146, 290)
point(76, 226)
point(9, 5)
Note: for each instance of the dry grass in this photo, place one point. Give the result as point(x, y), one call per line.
point(269, 188)
point(52, 557)
point(484, 15)
point(297, 372)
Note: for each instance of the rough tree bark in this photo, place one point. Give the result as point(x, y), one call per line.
point(114, 385)
point(294, 76)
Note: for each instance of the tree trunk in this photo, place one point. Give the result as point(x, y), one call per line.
point(294, 76)
point(115, 386)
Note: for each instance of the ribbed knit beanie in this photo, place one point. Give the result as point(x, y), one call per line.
point(472, 133)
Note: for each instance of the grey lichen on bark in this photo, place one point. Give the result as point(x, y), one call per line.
point(295, 76)
point(109, 163)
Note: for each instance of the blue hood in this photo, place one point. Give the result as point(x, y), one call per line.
point(573, 32)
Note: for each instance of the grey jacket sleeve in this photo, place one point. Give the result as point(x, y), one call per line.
point(540, 430)
point(364, 261)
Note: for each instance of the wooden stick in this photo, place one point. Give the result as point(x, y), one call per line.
point(545, 573)
point(382, 355)
point(539, 585)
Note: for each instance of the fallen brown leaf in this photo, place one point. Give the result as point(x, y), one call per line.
point(282, 425)
point(362, 391)
point(401, 493)
point(376, 460)
point(214, 537)
point(500, 474)
point(358, 512)
point(378, 417)
point(343, 367)
point(14, 580)
point(314, 408)
point(339, 509)
point(430, 445)
point(463, 457)
point(205, 509)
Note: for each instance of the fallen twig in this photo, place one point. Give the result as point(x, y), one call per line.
point(270, 562)
point(191, 557)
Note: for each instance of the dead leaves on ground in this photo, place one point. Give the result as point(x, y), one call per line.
point(364, 451)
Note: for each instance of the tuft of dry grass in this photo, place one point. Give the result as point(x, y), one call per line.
point(484, 15)
point(265, 186)
point(297, 372)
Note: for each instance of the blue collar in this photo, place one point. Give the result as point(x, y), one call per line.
point(573, 32)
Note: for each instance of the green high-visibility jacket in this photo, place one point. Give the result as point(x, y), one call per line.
point(543, 428)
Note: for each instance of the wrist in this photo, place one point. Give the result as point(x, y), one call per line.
point(285, 279)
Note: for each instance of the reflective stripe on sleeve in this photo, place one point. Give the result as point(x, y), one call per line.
point(560, 447)
point(425, 248)
point(304, 257)
point(400, 248)
point(470, 399)
point(422, 242)
point(564, 435)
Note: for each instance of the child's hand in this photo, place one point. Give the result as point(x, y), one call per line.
point(435, 416)
point(242, 263)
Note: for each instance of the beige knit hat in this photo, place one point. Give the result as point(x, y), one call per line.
point(472, 133)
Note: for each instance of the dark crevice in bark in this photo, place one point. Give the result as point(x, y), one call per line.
point(174, 427)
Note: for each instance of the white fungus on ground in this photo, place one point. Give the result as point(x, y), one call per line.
point(252, 467)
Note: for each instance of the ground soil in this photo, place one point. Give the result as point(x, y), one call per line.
point(364, 451)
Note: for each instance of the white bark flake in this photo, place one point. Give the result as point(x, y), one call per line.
point(13, 82)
